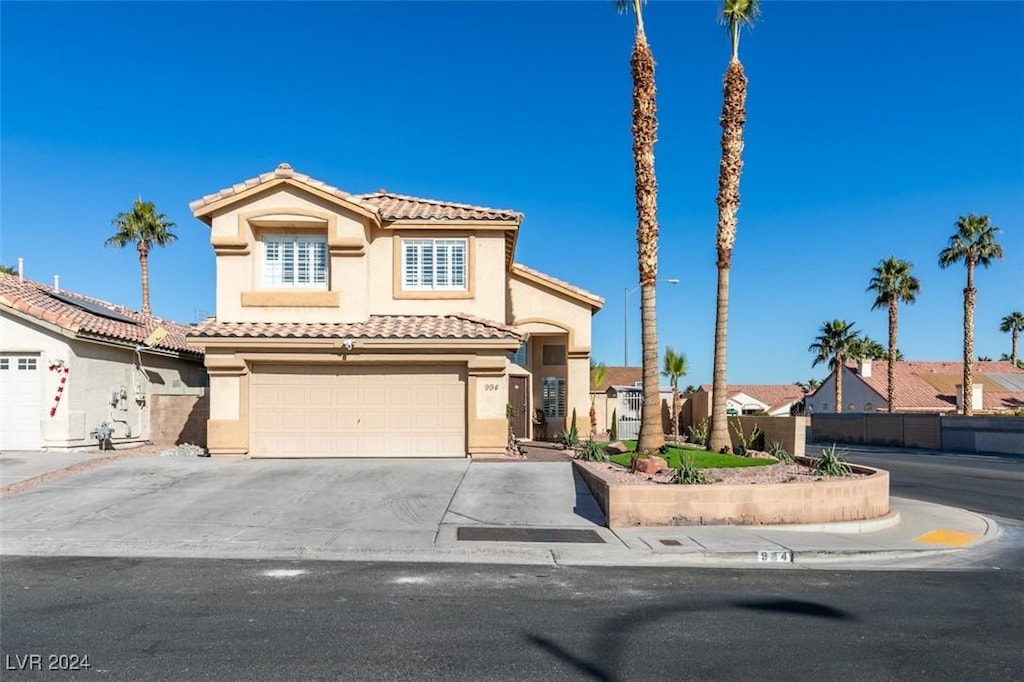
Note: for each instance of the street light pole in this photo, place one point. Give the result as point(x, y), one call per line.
point(626, 293)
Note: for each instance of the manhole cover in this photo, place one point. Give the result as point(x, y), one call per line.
point(513, 534)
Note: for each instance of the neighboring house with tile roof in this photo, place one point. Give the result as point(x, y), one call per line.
point(610, 397)
point(775, 400)
point(381, 325)
point(69, 363)
point(932, 387)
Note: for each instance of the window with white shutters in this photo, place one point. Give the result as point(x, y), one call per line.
point(434, 264)
point(552, 391)
point(294, 261)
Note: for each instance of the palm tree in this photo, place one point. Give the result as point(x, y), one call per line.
point(8, 269)
point(674, 367)
point(735, 14)
point(145, 228)
point(597, 374)
point(808, 386)
point(836, 342)
point(866, 348)
point(1013, 323)
point(645, 128)
point(973, 243)
point(892, 283)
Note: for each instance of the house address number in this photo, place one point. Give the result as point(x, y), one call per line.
point(491, 387)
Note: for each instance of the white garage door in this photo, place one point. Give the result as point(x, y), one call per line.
point(20, 402)
point(329, 411)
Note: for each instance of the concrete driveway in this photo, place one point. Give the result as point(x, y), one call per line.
point(238, 507)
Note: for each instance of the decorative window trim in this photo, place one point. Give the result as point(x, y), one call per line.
point(402, 290)
point(435, 264)
point(309, 266)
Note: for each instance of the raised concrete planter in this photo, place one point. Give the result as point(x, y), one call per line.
point(832, 499)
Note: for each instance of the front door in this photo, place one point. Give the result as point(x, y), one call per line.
point(517, 399)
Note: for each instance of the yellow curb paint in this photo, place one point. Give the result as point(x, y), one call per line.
point(950, 538)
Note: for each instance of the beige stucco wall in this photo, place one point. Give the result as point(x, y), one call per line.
point(362, 273)
point(96, 372)
point(529, 302)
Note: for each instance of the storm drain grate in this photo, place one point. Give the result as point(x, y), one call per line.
point(513, 534)
point(671, 543)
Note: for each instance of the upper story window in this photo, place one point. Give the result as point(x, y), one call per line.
point(434, 264)
point(294, 261)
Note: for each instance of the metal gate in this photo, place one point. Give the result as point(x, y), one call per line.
point(631, 402)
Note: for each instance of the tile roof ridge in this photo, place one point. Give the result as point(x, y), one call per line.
point(556, 280)
point(283, 171)
point(435, 202)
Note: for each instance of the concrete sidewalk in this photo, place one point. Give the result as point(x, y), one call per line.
point(418, 510)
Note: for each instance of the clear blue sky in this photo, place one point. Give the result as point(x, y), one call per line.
point(871, 127)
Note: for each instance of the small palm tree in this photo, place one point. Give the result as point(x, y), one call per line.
point(893, 283)
point(674, 367)
point(973, 243)
point(597, 374)
point(735, 14)
point(645, 133)
point(145, 228)
point(836, 342)
point(866, 348)
point(1013, 324)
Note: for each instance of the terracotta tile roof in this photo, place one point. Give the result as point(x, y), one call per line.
point(400, 207)
point(35, 300)
point(932, 385)
point(377, 327)
point(561, 284)
point(387, 206)
point(774, 396)
point(619, 376)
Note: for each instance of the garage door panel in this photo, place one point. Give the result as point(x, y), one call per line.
point(312, 411)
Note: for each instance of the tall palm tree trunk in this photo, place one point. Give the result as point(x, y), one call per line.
point(652, 434)
point(893, 314)
point(969, 341)
point(718, 437)
point(676, 406)
point(1014, 336)
point(144, 265)
point(645, 129)
point(839, 384)
point(734, 116)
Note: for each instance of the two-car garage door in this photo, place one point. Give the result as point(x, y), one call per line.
point(353, 411)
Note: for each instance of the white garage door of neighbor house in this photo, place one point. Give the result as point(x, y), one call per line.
point(329, 411)
point(20, 402)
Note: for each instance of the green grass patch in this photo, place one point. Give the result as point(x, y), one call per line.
point(702, 459)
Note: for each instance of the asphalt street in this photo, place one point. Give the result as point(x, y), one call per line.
point(250, 620)
point(985, 484)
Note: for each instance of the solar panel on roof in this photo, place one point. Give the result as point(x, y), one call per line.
point(91, 307)
point(1011, 382)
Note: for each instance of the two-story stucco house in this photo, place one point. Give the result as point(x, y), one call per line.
point(381, 325)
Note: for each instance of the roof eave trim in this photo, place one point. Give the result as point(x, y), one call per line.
point(204, 211)
point(595, 302)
